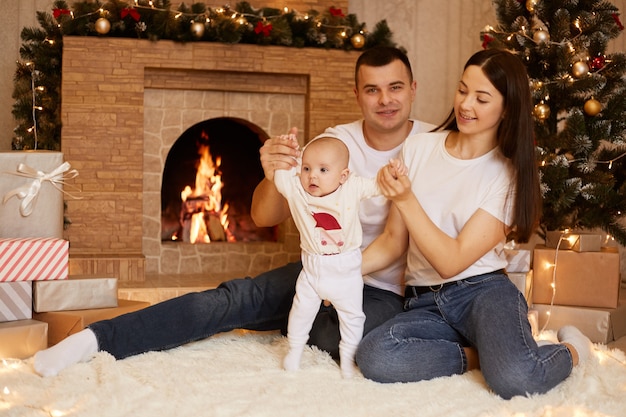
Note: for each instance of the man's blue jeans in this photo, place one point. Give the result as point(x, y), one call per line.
point(260, 303)
point(487, 312)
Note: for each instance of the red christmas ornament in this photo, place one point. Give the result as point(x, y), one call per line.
point(336, 12)
point(132, 12)
point(597, 63)
point(487, 39)
point(264, 29)
point(58, 12)
point(617, 21)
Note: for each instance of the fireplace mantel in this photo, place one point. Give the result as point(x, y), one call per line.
point(103, 85)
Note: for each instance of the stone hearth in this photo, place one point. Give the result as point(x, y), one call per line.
point(118, 140)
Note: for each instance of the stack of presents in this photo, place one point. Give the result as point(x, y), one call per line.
point(571, 279)
point(40, 303)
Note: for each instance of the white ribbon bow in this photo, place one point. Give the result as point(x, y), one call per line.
point(28, 193)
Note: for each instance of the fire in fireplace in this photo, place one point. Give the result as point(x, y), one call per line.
point(208, 179)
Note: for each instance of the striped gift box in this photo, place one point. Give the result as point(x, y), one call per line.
point(16, 301)
point(33, 259)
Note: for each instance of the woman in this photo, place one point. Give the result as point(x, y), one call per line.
point(471, 184)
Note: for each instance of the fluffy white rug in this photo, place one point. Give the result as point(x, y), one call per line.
point(239, 374)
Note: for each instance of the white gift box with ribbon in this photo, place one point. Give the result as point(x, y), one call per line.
point(518, 257)
point(31, 189)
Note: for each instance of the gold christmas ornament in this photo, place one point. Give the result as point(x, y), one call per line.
point(530, 5)
point(541, 36)
point(197, 29)
point(542, 111)
point(103, 26)
point(358, 41)
point(580, 69)
point(592, 107)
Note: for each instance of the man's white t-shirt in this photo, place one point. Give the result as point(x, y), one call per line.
point(366, 161)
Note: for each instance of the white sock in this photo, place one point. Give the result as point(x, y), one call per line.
point(347, 363)
point(78, 347)
point(348, 368)
point(573, 336)
point(292, 359)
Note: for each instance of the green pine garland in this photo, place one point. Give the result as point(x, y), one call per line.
point(37, 81)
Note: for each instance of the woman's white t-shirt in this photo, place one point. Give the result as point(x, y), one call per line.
point(451, 190)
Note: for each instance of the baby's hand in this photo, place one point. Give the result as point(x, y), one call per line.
point(397, 168)
point(292, 137)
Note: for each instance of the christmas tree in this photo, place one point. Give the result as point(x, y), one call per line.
point(580, 111)
point(37, 87)
point(37, 81)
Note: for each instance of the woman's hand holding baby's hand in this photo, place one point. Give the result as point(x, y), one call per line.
point(393, 181)
point(279, 153)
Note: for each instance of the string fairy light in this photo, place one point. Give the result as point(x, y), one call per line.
point(35, 107)
point(239, 17)
point(553, 282)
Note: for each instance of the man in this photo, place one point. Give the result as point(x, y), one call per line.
point(385, 90)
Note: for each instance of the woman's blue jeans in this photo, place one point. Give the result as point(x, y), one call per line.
point(487, 312)
point(260, 303)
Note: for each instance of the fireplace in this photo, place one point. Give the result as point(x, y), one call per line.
point(126, 102)
point(208, 180)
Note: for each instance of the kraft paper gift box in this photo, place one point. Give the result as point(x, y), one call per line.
point(523, 281)
point(576, 241)
point(21, 339)
point(599, 325)
point(61, 324)
point(16, 301)
point(32, 259)
point(31, 196)
point(74, 293)
point(583, 279)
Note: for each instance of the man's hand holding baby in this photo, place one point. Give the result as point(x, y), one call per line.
point(279, 153)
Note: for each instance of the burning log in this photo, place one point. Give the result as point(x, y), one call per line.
point(200, 224)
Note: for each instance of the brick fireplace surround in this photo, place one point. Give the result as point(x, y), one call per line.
point(116, 223)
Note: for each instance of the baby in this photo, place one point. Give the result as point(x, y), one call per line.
point(324, 201)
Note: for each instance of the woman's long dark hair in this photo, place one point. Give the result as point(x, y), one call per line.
point(515, 136)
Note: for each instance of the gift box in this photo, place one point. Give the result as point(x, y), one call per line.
point(524, 283)
point(31, 189)
point(576, 241)
point(16, 301)
point(61, 324)
point(599, 325)
point(519, 260)
point(582, 279)
point(74, 293)
point(21, 339)
point(32, 259)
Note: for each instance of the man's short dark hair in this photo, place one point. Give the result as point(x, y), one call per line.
point(379, 56)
